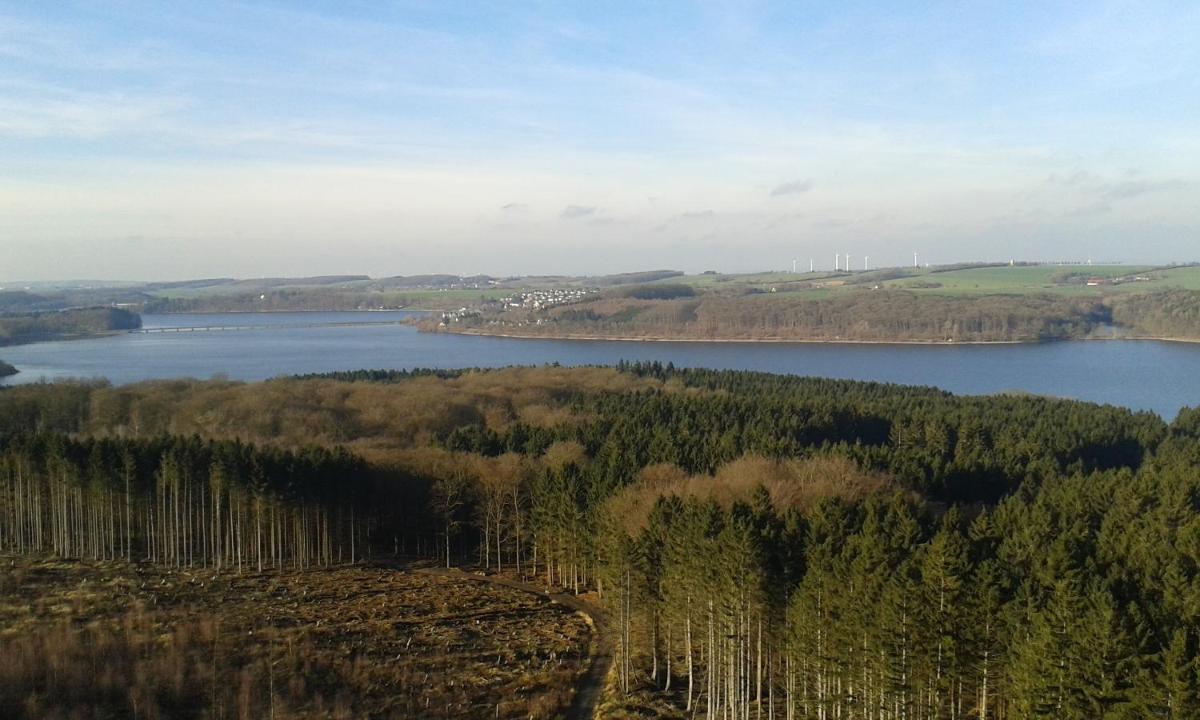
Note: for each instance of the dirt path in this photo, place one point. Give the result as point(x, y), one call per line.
point(587, 695)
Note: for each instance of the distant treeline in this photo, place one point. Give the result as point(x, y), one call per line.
point(658, 292)
point(17, 328)
point(6, 369)
point(382, 376)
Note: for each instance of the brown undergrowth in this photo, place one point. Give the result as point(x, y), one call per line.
point(109, 640)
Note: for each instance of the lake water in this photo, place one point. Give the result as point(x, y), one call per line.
point(1157, 376)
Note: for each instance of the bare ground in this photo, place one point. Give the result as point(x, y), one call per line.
point(590, 688)
point(95, 640)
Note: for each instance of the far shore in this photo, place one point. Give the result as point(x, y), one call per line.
point(659, 338)
point(810, 341)
point(279, 311)
point(66, 337)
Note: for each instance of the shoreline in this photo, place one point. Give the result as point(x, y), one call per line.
point(277, 312)
point(68, 338)
point(787, 341)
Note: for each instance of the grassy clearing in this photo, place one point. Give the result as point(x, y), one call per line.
point(93, 640)
point(1056, 279)
point(991, 280)
point(1067, 280)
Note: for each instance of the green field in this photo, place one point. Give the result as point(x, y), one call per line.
point(1070, 280)
point(1056, 279)
point(1186, 278)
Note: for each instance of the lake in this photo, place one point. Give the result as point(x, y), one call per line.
point(1144, 375)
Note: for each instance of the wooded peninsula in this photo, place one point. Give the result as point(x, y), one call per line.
point(70, 324)
point(761, 546)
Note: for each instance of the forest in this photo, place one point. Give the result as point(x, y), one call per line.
point(7, 369)
point(27, 327)
point(764, 546)
point(1166, 314)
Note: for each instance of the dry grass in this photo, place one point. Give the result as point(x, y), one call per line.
point(100, 640)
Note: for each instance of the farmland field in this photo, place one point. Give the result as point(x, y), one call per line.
point(982, 280)
point(1020, 279)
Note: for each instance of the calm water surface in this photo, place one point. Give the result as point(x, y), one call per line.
point(1144, 375)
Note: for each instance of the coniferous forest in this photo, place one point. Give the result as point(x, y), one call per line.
point(763, 546)
point(178, 501)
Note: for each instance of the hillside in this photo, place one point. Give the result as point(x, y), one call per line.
point(957, 304)
point(321, 293)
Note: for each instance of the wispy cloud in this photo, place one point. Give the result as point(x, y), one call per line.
point(794, 187)
point(32, 111)
point(116, 122)
point(1110, 190)
point(574, 212)
point(1133, 188)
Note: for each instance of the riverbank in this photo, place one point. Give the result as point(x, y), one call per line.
point(477, 332)
point(308, 311)
point(52, 337)
point(770, 340)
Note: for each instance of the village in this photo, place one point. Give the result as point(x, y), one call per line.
point(524, 300)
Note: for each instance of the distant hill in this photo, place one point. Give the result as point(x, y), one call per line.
point(636, 278)
point(953, 303)
point(968, 302)
point(414, 282)
point(316, 280)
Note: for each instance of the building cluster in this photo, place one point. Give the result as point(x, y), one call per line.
point(453, 316)
point(1097, 280)
point(461, 284)
point(542, 299)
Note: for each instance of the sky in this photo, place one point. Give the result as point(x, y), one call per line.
point(172, 140)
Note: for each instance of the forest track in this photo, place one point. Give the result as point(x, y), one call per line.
point(591, 685)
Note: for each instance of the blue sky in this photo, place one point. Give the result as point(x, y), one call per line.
point(170, 140)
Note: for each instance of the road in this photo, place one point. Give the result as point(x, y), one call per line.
point(591, 685)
